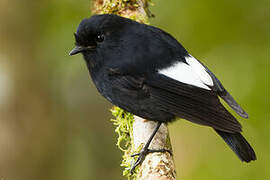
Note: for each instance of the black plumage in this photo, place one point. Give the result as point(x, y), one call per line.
point(135, 66)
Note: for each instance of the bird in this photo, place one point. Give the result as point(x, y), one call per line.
point(147, 72)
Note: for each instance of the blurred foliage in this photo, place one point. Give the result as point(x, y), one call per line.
point(54, 124)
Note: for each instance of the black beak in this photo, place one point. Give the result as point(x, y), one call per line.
point(79, 49)
point(76, 50)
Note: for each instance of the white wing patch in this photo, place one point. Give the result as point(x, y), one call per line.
point(192, 73)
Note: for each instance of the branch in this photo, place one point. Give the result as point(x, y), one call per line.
point(134, 131)
point(156, 166)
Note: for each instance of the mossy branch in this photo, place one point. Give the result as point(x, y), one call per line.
point(124, 128)
point(133, 131)
point(136, 10)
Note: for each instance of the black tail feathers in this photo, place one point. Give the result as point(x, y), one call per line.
point(239, 145)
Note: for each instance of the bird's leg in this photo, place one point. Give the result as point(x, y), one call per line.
point(145, 149)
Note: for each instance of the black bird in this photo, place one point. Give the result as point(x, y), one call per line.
point(145, 71)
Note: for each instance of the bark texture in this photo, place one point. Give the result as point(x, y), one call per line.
point(159, 166)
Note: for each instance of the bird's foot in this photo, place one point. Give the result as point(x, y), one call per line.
point(143, 154)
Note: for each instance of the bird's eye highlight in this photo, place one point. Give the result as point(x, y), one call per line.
point(100, 38)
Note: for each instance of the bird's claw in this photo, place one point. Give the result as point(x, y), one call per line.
point(140, 159)
point(142, 156)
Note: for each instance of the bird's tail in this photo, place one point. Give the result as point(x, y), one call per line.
point(239, 145)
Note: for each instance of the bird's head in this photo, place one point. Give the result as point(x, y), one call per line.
point(99, 33)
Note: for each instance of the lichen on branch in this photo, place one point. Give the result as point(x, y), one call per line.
point(136, 10)
point(124, 128)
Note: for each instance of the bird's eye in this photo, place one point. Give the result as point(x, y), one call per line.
point(100, 38)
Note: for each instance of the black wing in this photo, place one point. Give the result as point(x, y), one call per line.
point(180, 50)
point(191, 103)
point(225, 95)
point(132, 94)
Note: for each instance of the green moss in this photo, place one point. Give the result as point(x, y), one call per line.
point(124, 128)
point(123, 122)
point(125, 8)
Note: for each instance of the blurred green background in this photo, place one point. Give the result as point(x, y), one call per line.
point(54, 125)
